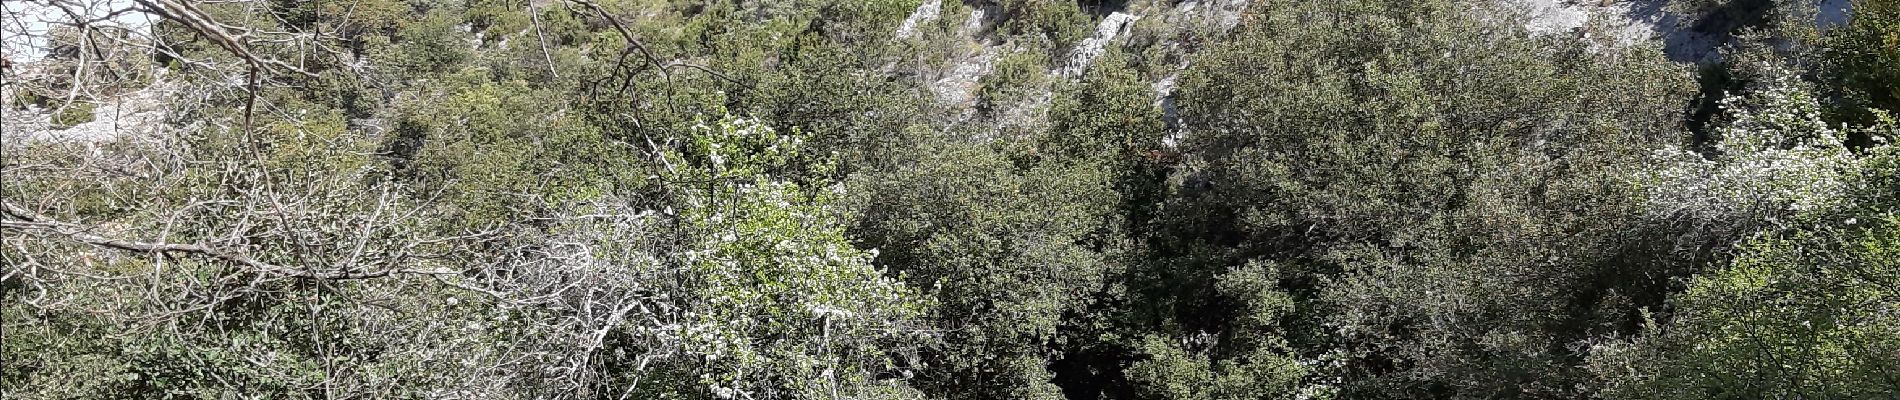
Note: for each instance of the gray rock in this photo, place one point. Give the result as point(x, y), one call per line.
point(1085, 52)
point(924, 14)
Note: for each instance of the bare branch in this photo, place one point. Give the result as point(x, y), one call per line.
point(201, 22)
point(23, 219)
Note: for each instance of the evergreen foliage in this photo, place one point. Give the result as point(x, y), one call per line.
point(590, 199)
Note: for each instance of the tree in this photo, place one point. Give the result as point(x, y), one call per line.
point(1448, 197)
point(1006, 253)
point(1798, 312)
point(404, 216)
point(1858, 63)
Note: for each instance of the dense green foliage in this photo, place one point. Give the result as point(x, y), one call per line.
point(1402, 164)
point(1863, 61)
point(779, 199)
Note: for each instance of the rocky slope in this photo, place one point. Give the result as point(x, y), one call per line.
point(1684, 38)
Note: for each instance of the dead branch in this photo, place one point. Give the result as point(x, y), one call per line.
point(201, 22)
point(19, 218)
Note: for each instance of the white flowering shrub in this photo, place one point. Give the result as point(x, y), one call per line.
point(1805, 309)
point(735, 147)
point(779, 303)
point(1775, 157)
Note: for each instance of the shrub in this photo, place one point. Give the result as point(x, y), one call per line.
point(75, 114)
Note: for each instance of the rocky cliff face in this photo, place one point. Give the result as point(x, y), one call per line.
point(980, 48)
point(1687, 36)
point(969, 30)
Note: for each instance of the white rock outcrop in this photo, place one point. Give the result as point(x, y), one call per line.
point(1085, 52)
point(1631, 22)
point(925, 13)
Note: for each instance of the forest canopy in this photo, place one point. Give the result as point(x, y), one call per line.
point(935, 199)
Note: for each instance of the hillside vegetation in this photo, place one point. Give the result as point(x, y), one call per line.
point(979, 199)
